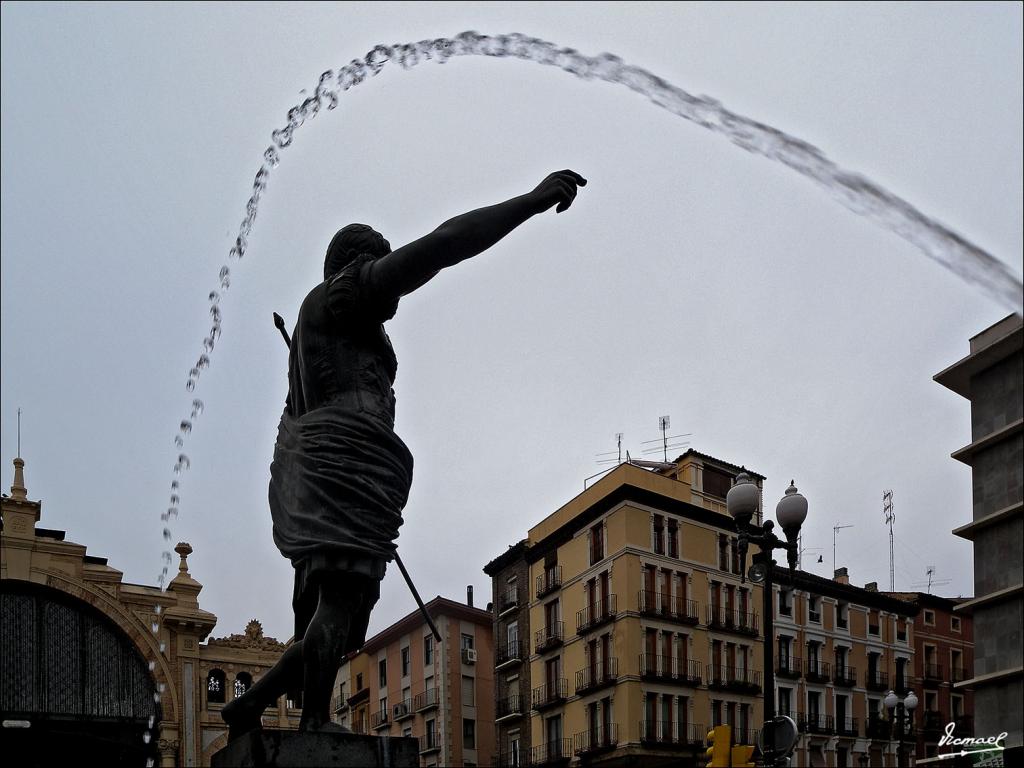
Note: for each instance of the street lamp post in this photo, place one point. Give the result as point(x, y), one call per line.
point(743, 501)
point(904, 709)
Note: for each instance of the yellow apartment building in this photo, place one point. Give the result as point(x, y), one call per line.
point(633, 633)
point(404, 683)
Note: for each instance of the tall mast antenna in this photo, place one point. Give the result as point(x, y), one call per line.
point(890, 518)
point(835, 528)
point(19, 433)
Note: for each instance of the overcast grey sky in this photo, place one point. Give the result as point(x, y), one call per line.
point(689, 278)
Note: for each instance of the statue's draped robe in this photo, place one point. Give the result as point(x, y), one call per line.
point(340, 475)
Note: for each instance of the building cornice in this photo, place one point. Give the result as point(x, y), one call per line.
point(627, 492)
point(970, 530)
point(829, 588)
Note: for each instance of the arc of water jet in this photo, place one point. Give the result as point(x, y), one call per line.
point(859, 194)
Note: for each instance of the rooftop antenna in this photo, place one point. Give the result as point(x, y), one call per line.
point(663, 424)
point(930, 571)
point(890, 518)
point(835, 528)
point(800, 549)
point(617, 453)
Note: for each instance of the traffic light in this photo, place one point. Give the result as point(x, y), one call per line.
point(742, 756)
point(718, 741)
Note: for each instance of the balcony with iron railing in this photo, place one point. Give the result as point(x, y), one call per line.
point(726, 678)
point(430, 743)
point(815, 723)
point(846, 726)
point(931, 674)
point(876, 680)
point(596, 614)
point(672, 735)
point(509, 708)
point(595, 740)
point(549, 695)
point(818, 671)
point(964, 725)
point(878, 728)
point(402, 711)
point(551, 753)
point(933, 723)
point(509, 655)
point(426, 700)
point(744, 736)
point(740, 622)
point(670, 670)
point(597, 676)
point(549, 581)
point(668, 608)
point(508, 600)
point(844, 675)
point(549, 638)
point(509, 760)
point(381, 719)
point(789, 666)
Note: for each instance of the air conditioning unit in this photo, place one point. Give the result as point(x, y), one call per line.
point(400, 710)
point(469, 656)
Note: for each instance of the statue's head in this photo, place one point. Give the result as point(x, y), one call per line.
point(350, 242)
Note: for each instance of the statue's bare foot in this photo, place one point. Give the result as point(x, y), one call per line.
point(241, 717)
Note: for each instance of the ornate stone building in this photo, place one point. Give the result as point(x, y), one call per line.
point(84, 679)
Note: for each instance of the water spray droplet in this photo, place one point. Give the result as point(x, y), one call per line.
point(208, 344)
point(272, 156)
point(152, 666)
point(197, 408)
point(214, 297)
point(156, 698)
point(225, 280)
point(174, 483)
point(151, 721)
point(215, 310)
point(190, 385)
point(178, 442)
point(167, 534)
point(163, 647)
point(147, 737)
point(202, 364)
point(155, 627)
point(175, 499)
point(158, 609)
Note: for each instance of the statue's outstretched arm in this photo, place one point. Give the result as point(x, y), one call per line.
point(406, 269)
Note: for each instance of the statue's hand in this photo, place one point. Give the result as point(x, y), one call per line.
point(559, 189)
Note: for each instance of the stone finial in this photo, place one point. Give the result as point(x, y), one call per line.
point(184, 549)
point(18, 489)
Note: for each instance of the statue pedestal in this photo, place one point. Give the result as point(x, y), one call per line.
point(288, 749)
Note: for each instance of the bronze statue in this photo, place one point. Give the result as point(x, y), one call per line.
point(340, 475)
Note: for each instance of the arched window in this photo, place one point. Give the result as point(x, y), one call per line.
point(216, 682)
point(243, 682)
